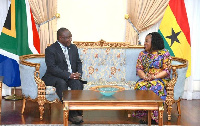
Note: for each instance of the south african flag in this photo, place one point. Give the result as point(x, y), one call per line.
point(18, 37)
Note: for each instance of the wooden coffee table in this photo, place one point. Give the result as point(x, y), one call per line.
point(124, 100)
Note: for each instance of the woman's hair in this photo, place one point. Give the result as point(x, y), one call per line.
point(157, 42)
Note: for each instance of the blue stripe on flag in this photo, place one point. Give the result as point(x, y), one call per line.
point(9, 68)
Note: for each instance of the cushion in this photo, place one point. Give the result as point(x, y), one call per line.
point(129, 85)
point(51, 93)
point(50, 90)
point(131, 61)
point(103, 64)
point(28, 84)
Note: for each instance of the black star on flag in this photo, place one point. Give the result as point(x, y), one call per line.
point(173, 37)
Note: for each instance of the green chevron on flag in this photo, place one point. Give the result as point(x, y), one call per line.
point(18, 37)
point(175, 31)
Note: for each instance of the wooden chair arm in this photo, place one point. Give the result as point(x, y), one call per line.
point(172, 82)
point(181, 60)
point(22, 59)
point(170, 86)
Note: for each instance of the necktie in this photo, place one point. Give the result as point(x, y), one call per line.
point(67, 59)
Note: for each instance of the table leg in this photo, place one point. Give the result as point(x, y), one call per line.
point(149, 118)
point(160, 114)
point(65, 113)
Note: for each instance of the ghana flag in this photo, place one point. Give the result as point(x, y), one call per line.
point(18, 37)
point(175, 30)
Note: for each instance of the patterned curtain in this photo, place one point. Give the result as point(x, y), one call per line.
point(143, 14)
point(44, 12)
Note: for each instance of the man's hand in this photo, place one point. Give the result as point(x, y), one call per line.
point(75, 76)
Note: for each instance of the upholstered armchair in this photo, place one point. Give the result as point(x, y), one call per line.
point(32, 68)
point(175, 88)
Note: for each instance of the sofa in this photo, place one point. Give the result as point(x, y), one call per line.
point(103, 63)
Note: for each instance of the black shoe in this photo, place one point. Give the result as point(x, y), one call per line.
point(76, 120)
point(143, 122)
point(146, 122)
point(153, 122)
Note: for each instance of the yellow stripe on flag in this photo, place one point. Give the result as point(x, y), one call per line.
point(182, 49)
point(11, 32)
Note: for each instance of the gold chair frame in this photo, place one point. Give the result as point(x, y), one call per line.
point(41, 99)
point(170, 86)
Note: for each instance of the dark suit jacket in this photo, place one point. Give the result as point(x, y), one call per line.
point(57, 64)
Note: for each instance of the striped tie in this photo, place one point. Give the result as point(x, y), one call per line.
point(67, 59)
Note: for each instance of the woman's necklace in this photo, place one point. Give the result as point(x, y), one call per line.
point(147, 62)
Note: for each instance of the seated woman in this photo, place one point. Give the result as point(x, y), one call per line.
point(153, 67)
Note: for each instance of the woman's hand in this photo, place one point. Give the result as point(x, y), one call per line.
point(149, 77)
point(145, 78)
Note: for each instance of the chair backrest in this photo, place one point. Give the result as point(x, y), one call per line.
point(181, 69)
point(28, 84)
point(131, 61)
point(97, 64)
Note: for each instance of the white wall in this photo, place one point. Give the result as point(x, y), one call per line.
point(92, 20)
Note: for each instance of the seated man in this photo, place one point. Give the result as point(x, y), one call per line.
point(64, 68)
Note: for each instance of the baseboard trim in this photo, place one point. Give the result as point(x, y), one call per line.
point(191, 95)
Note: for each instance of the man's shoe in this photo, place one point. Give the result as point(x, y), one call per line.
point(143, 122)
point(79, 118)
point(76, 120)
point(146, 122)
point(154, 122)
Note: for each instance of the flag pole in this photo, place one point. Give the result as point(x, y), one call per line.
point(1, 81)
point(13, 97)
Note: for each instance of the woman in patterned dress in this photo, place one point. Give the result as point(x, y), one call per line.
point(153, 67)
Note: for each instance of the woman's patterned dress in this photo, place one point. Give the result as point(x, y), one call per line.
point(153, 63)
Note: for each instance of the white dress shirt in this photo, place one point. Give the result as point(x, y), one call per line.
point(65, 51)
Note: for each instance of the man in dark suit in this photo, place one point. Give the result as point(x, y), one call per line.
point(64, 68)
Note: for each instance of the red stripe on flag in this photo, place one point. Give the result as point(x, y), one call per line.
point(36, 38)
point(179, 11)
